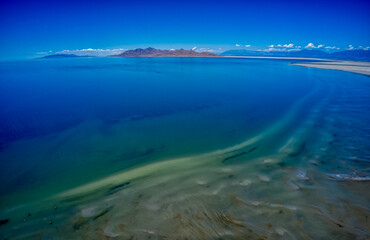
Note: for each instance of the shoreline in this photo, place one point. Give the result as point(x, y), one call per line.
point(346, 66)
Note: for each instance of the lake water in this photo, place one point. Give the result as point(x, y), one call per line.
point(182, 148)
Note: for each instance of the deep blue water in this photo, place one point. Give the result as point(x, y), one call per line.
point(43, 95)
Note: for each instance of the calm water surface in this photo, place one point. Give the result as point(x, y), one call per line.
point(182, 148)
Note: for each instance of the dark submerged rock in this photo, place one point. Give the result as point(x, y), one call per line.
point(4, 221)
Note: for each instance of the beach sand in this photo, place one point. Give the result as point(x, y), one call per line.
point(348, 66)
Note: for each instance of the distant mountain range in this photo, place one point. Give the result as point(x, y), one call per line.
point(360, 55)
point(345, 55)
point(152, 52)
point(363, 55)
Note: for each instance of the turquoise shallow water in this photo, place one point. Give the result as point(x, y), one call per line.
point(182, 148)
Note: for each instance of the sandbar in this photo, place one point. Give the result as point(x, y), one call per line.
point(348, 66)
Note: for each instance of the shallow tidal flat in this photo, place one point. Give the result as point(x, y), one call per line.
point(280, 164)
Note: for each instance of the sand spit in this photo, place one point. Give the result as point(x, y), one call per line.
point(348, 66)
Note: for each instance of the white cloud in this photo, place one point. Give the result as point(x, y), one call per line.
point(271, 49)
point(237, 45)
point(290, 45)
point(279, 49)
point(247, 45)
point(206, 50)
point(42, 53)
point(194, 48)
point(332, 48)
point(320, 46)
point(93, 52)
point(310, 45)
point(351, 47)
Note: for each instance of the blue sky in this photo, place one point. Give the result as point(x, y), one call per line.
point(30, 27)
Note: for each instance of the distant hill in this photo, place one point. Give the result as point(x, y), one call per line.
point(310, 54)
point(363, 55)
point(63, 56)
point(352, 54)
point(152, 52)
